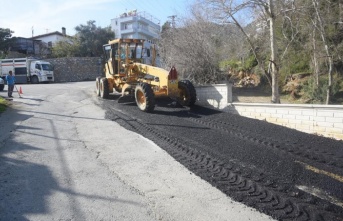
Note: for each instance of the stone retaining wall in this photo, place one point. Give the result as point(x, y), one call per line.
point(72, 69)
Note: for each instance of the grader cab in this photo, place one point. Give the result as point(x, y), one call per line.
point(130, 69)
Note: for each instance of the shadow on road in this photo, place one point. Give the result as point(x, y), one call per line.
point(29, 189)
point(21, 180)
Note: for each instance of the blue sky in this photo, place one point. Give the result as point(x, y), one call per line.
point(51, 15)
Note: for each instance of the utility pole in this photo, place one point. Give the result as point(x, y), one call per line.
point(172, 20)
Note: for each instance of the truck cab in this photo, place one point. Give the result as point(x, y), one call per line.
point(40, 71)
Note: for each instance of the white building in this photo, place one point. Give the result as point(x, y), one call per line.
point(139, 25)
point(52, 38)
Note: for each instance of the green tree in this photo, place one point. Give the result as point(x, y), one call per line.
point(92, 38)
point(229, 12)
point(67, 48)
point(5, 40)
point(87, 42)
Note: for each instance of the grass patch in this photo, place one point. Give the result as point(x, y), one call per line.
point(3, 104)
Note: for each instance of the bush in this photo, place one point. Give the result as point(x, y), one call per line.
point(318, 93)
point(3, 104)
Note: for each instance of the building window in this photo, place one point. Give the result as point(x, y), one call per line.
point(50, 44)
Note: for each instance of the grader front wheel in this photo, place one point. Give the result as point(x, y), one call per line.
point(145, 98)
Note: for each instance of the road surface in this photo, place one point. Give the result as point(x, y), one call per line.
point(65, 155)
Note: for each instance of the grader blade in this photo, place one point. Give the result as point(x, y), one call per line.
point(126, 99)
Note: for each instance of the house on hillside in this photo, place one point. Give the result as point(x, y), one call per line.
point(39, 45)
point(51, 38)
point(133, 24)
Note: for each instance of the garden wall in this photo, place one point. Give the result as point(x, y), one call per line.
point(326, 120)
point(216, 95)
point(72, 69)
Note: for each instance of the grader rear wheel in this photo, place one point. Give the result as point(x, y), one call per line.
point(97, 85)
point(145, 98)
point(104, 89)
point(187, 93)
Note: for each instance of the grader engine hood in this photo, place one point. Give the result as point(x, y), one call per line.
point(167, 82)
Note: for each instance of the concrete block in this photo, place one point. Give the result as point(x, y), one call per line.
point(338, 114)
point(271, 119)
point(277, 115)
point(334, 130)
point(301, 117)
point(282, 121)
point(282, 111)
point(338, 125)
point(265, 115)
point(317, 119)
point(325, 113)
point(308, 113)
point(260, 110)
point(324, 124)
point(271, 110)
point(294, 121)
point(295, 112)
point(287, 116)
point(259, 118)
point(333, 120)
point(302, 127)
point(317, 129)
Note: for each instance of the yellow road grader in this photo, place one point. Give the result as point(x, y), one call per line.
point(130, 69)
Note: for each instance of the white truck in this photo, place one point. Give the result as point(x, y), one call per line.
point(26, 70)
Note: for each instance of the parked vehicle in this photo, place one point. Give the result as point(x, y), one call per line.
point(130, 69)
point(27, 70)
point(2, 84)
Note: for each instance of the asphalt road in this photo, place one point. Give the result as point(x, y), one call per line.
point(65, 154)
point(287, 174)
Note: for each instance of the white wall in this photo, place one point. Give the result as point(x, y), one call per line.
point(216, 95)
point(324, 120)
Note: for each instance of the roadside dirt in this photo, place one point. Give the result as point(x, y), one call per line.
point(254, 95)
point(262, 95)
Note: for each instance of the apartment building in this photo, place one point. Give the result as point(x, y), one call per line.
point(135, 24)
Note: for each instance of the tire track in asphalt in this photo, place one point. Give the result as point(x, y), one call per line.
point(252, 187)
point(326, 158)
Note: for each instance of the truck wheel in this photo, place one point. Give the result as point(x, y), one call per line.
point(145, 97)
point(34, 80)
point(187, 93)
point(97, 84)
point(104, 90)
point(2, 87)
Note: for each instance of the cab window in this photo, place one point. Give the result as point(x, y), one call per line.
point(38, 67)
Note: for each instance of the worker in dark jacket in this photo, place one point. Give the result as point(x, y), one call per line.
point(10, 83)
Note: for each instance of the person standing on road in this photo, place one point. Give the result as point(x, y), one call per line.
point(10, 83)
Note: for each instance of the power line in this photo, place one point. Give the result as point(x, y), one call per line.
point(172, 20)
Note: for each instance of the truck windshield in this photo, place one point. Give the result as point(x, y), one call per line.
point(47, 67)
